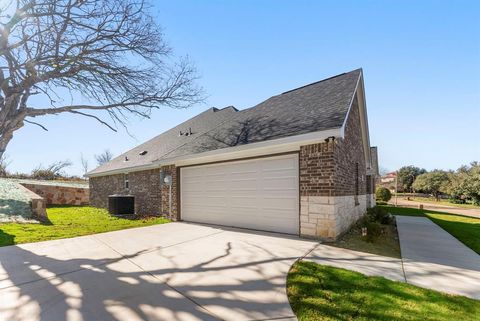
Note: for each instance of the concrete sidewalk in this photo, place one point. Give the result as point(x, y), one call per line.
point(434, 259)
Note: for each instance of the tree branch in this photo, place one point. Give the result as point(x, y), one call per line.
point(34, 123)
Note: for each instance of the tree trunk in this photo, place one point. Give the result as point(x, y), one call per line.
point(5, 138)
point(6, 132)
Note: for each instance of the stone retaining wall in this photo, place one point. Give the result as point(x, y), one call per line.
point(60, 195)
point(37, 203)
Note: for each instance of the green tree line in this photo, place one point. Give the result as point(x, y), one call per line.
point(461, 185)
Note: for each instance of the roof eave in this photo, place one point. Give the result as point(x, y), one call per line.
point(274, 146)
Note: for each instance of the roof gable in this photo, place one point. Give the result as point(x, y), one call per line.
point(315, 107)
point(319, 106)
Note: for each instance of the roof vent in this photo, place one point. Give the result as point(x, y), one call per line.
point(187, 133)
point(143, 153)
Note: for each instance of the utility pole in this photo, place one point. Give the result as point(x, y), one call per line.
point(396, 188)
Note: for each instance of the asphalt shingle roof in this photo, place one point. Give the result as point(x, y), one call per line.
point(315, 107)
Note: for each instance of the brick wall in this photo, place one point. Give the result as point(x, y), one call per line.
point(328, 168)
point(102, 186)
point(165, 191)
point(348, 152)
point(317, 169)
point(144, 185)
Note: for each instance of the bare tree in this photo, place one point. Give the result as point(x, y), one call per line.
point(111, 53)
point(104, 157)
point(53, 171)
point(84, 163)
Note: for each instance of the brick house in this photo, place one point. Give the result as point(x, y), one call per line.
point(298, 163)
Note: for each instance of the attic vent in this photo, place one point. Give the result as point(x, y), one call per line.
point(187, 133)
point(143, 153)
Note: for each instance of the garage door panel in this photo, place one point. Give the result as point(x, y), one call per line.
point(279, 204)
point(279, 183)
point(259, 194)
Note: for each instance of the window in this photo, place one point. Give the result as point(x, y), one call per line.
point(356, 184)
point(127, 183)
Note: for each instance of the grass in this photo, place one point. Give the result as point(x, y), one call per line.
point(69, 221)
point(465, 229)
point(443, 202)
point(386, 245)
point(318, 292)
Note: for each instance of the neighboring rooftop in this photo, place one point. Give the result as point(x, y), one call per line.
point(315, 107)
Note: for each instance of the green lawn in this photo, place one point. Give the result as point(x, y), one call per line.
point(465, 229)
point(318, 292)
point(69, 221)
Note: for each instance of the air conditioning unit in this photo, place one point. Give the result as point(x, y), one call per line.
point(121, 204)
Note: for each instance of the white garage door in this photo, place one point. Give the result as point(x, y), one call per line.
point(258, 194)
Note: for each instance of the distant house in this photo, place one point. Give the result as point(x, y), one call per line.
point(298, 163)
point(389, 178)
point(389, 181)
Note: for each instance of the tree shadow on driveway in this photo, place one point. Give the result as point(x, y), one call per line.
point(216, 278)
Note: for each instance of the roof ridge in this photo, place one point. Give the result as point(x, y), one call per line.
point(316, 82)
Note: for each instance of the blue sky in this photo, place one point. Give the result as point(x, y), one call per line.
point(421, 61)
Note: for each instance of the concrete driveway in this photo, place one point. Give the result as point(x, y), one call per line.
point(175, 271)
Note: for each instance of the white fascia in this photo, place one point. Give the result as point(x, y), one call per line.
point(362, 106)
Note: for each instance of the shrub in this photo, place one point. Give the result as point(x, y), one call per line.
point(379, 215)
point(374, 230)
point(454, 200)
point(476, 200)
point(383, 194)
